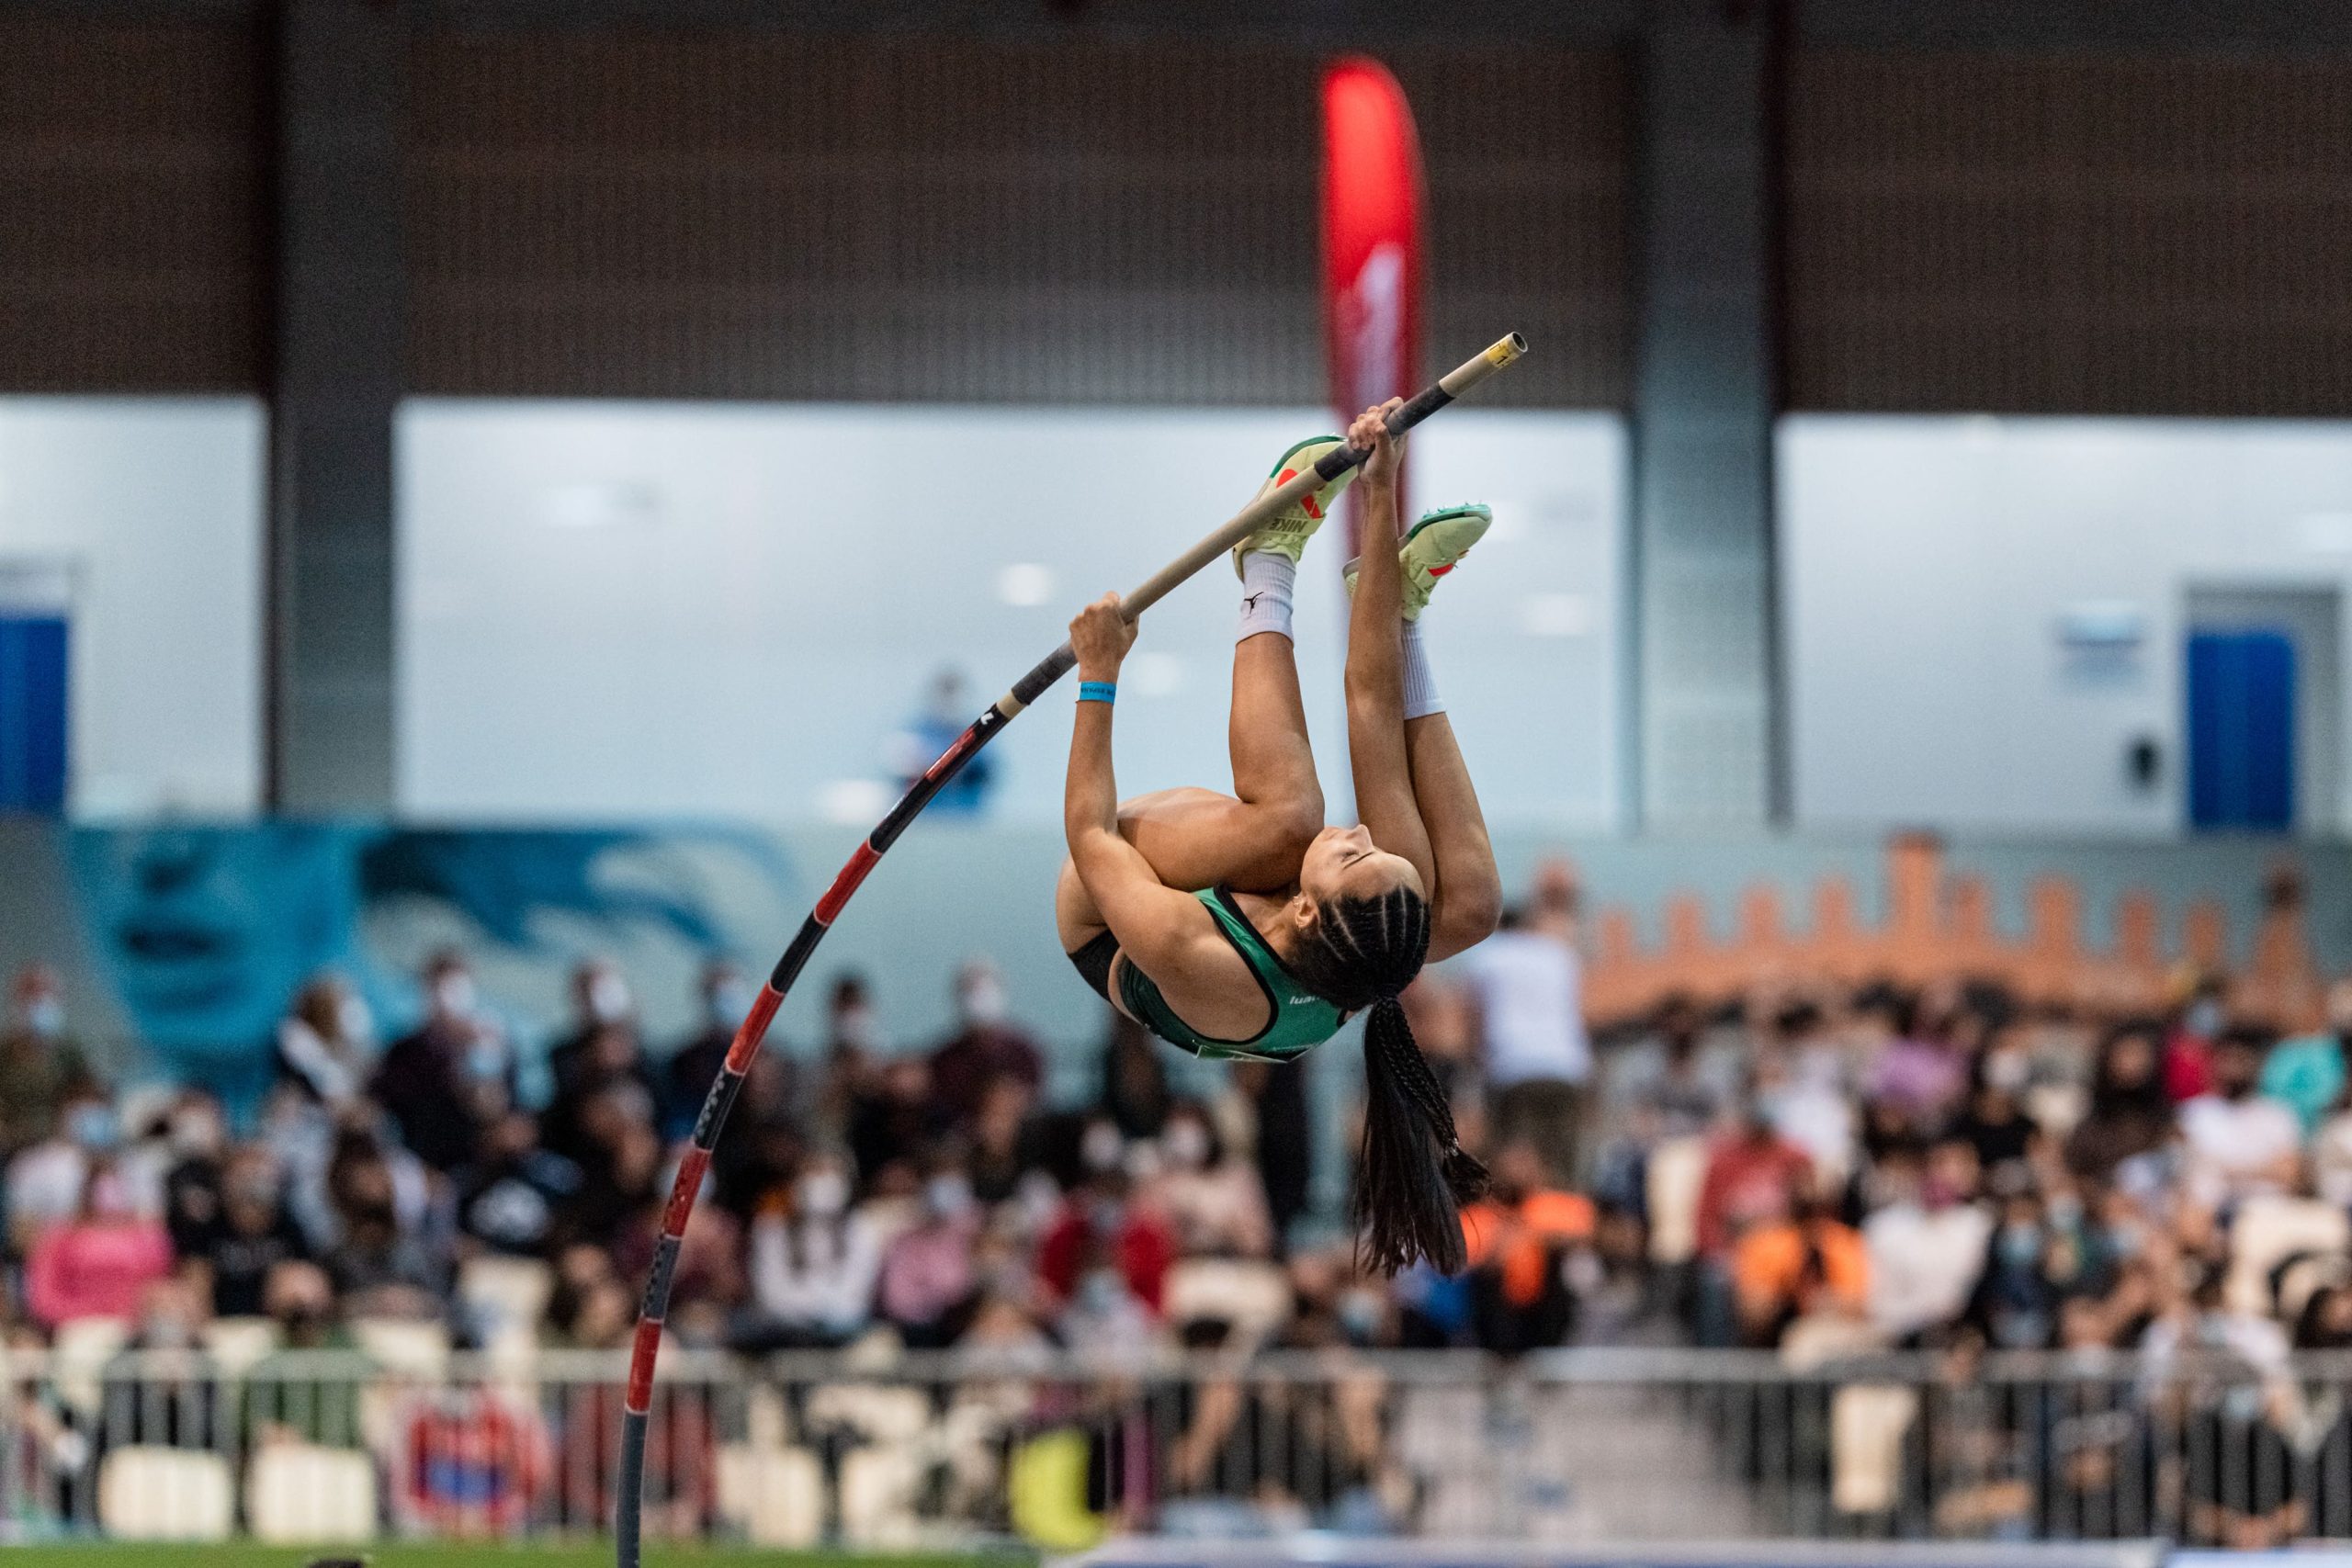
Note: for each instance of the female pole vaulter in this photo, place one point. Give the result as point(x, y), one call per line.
point(1241, 925)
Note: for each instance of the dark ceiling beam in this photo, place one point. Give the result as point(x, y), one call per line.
point(136, 10)
point(1336, 23)
point(2197, 26)
point(2176, 26)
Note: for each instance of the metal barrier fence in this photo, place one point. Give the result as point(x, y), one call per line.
point(1572, 1445)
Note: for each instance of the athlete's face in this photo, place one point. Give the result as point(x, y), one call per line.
point(1344, 862)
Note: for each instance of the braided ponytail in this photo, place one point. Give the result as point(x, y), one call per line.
point(1412, 1174)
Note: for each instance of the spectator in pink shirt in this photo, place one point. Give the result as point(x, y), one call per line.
point(930, 1285)
point(97, 1263)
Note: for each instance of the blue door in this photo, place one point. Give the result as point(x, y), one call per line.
point(32, 711)
point(2242, 730)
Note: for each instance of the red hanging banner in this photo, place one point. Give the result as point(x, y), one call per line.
point(1372, 238)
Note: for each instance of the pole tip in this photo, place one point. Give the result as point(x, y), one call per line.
point(1507, 347)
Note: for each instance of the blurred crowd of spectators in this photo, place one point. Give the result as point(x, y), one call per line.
point(1816, 1170)
point(1941, 1167)
point(1846, 1165)
point(925, 1192)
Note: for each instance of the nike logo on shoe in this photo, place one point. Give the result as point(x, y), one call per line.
point(1308, 501)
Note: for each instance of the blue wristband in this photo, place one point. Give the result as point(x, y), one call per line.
point(1097, 690)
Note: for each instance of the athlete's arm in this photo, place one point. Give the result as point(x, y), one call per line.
point(1159, 928)
point(1376, 671)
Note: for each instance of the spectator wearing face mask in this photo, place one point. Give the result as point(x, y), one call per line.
point(442, 1082)
point(813, 1264)
point(620, 1184)
point(855, 1044)
point(1100, 1219)
point(984, 1046)
point(47, 1182)
point(1994, 1120)
point(2189, 1047)
point(725, 997)
point(2238, 1143)
point(380, 1268)
point(41, 1065)
point(229, 1260)
point(1215, 1202)
point(2015, 1302)
point(324, 1043)
point(1750, 1172)
point(284, 1400)
point(601, 1002)
point(2306, 1074)
point(1102, 1314)
point(508, 1198)
point(2130, 1115)
point(1808, 1264)
point(100, 1261)
point(930, 1284)
point(893, 1112)
point(1920, 1071)
point(1134, 1095)
point(1284, 1144)
point(1520, 1238)
point(1927, 1247)
point(1527, 988)
point(1008, 1140)
point(168, 1400)
point(603, 1061)
point(192, 1182)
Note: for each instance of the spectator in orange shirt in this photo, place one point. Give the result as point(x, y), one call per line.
point(1751, 1171)
point(1806, 1264)
point(1519, 1239)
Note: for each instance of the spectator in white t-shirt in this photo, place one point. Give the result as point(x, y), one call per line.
point(1927, 1248)
point(2239, 1143)
point(1529, 995)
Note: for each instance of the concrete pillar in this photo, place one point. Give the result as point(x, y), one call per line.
point(1704, 748)
point(337, 322)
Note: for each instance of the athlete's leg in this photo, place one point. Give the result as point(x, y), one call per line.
point(1254, 838)
point(1471, 889)
point(1421, 774)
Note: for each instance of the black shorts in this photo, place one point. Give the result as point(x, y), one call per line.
point(1094, 961)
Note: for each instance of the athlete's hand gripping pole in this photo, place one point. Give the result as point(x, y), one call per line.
point(646, 1345)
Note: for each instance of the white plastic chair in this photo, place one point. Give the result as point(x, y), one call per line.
point(881, 1413)
point(2269, 1230)
point(158, 1493)
point(1867, 1423)
point(236, 1343)
point(402, 1346)
point(83, 1347)
point(878, 1491)
point(296, 1493)
point(775, 1496)
point(1678, 1171)
point(507, 1295)
point(1252, 1295)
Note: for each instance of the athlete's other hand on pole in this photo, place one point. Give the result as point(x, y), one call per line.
point(1101, 637)
point(1370, 433)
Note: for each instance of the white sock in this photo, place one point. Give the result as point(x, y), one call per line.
point(1420, 687)
point(1267, 579)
